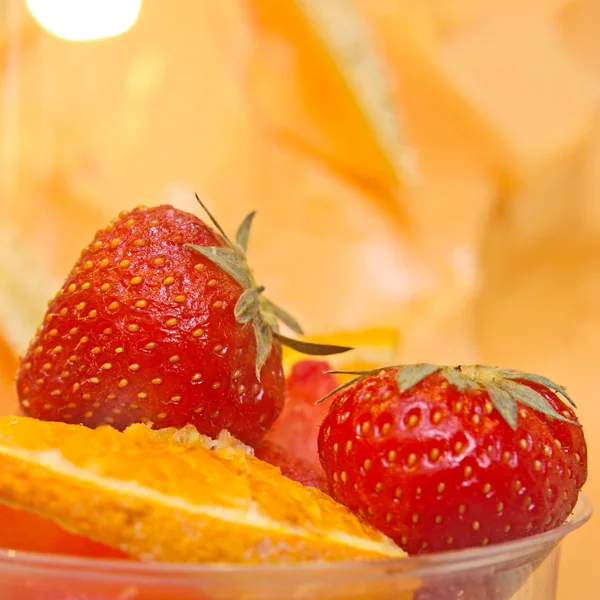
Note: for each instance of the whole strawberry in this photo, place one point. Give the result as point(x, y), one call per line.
point(441, 457)
point(160, 321)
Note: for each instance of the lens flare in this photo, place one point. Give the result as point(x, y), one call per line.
point(80, 20)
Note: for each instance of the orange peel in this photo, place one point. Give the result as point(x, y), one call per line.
point(174, 495)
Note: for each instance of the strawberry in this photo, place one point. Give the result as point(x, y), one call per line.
point(296, 428)
point(292, 466)
point(440, 457)
point(161, 321)
point(291, 444)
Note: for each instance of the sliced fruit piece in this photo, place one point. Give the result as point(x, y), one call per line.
point(294, 434)
point(357, 130)
point(8, 367)
point(292, 466)
point(166, 495)
point(372, 347)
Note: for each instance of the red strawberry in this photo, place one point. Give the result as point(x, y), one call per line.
point(294, 467)
point(296, 428)
point(291, 444)
point(441, 457)
point(160, 320)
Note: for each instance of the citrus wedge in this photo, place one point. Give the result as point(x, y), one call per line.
point(174, 495)
point(373, 348)
point(358, 129)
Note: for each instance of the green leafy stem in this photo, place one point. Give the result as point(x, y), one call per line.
point(501, 385)
point(252, 306)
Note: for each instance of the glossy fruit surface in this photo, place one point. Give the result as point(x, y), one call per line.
point(155, 493)
point(297, 427)
point(144, 329)
point(431, 461)
point(292, 466)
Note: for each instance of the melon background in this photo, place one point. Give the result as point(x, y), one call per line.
point(427, 165)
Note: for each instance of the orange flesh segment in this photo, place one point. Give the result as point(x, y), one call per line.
point(163, 495)
point(357, 129)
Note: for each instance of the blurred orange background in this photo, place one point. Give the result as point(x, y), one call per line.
point(429, 167)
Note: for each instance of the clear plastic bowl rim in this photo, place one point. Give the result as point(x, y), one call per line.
point(421, 567)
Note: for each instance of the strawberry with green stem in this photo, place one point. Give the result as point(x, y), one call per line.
point(161, 321)
point(449, 457)
point(252, 306)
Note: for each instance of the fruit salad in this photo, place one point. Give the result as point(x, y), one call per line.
point(158, 425)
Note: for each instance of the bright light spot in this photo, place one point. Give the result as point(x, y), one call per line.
point(85, 19)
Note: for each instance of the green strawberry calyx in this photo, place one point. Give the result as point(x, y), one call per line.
point(252, 306)
point(502, 385)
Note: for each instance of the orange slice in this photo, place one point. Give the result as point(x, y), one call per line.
point(358, 128)
point(173, 495)
point(374, 347)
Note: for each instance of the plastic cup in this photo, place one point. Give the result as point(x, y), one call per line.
point(525, 569)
